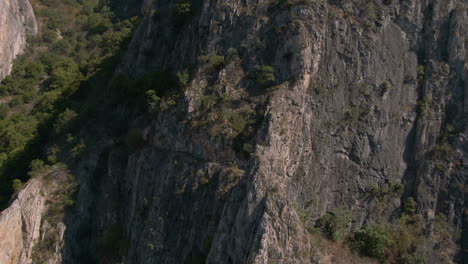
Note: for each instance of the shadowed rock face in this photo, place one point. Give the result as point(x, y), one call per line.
point(351, 110)
point(17, 21)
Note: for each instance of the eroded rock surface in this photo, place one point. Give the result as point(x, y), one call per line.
point(17, 22)
point(363, 97)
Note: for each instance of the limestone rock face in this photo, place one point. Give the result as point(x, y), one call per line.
point(32, 227)
point(20, 224)
point(364, 97)
point(350, 111)
point(17, 22)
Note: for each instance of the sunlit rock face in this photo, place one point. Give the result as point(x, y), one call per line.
point(17, 22)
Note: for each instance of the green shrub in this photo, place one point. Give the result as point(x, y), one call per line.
point(215, 62)
point(370, 11)
point(232, 55)
point(153, 100)
point(248, 148)
point(33, 70)
point(4, 109)
point(334, 224)
point(28, 96)
point(421, 72)
point(236, 121)
point(37, 167)
point(183, 8)
point(442, 150)
point(16, 100)
point(49, 36)
point(409, 206)
point(397, 188)
point(17, 185)
point(423, 105)
point(264, 75)
point(353, 114)
point(64, 121)
point(65, 74)
point(388, 189)
point(386, 86)
point(371, 241)
point(168, 103)
point(183, 79)
point(52, 154)
point(79, 149)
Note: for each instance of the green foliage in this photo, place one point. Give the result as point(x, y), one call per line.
point(334, 224)
point(234, 123)
point(37, 168)
point(63, 122)
point(372, 241)
point(79, 149)
point(16, 132)
point(387, 189)
point(97, 24)
point(215, 62)
point(153, 100)
point(423, 105)
point(421, 72)
point(65, 74)
point(183, 79)
point(352, 115)
point(442, 150)
point(151, 246)
point(264, 75)
point(386, 86)
point(232, 55)
point(370, 11)
point(248, 148)
point(4, 109)
point(76, 51)
point(392, 243)
point(183, 8)
point(17, 185)
point(15, 101)
point(52, 154)
point(409, 206)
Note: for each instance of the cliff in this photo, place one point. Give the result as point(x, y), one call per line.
point(290, 110)
point(364, 97)
point(17, 22)
point(34, 220)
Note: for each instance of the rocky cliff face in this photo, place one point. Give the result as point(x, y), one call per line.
point(366, 95)
point(17, 22)
point(34, 220)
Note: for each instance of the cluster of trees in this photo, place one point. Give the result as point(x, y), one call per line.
point(77, 41)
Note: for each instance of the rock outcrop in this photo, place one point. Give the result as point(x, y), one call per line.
point(20, 224)
point(17, 22)
point(365, 97)
point(360, 98)
point(31, 228)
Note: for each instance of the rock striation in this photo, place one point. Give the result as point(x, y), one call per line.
point(20, 224)
point(365, 96)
